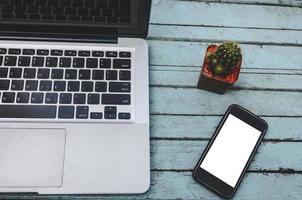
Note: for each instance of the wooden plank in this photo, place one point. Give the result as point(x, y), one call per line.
point(202, 127)
point(183, 78)
point(180, 185)
point(199, 102)
point(225, 15)
point(183, 155)
point(171, 185)
point(257, 2)
point(183, 53)
point(217, 34)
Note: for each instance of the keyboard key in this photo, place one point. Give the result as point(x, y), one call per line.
point(8, 97)
point(24, 61)
point(73, 86)
point(98, 74)
point(38, 62)
point(4, 84)
point(122, 63)
point(65, 62)
point(66, 112)
point(29, 73)
point(93, 99)
point(57, 73)
point(45, 86)
point(99, 19)
point(79, 98)
point(3, 51)
point(124, 54)
point(82, 112)
point(101, 86)
point(14, 51)
point(22, 97)
point(51, 98)
point(43, 52)
point(65, 98)
point(96, 115)
point(84, 53)
point(1, 60)
point(27, 111)
point(111, 54)
point(59, 86)
point(95, 12)
point(125, 75)
point(3, 72)
point(98, 53)
point(119, 87)
point(71, 74)
point(124, 115)
point(36, 97)
point(70, 53)
point(10, 60)
point(17, 84)
point(111, 75)
point(87, 86)
point(51, 62)
point(92, 63)
point(43, 73)
point(105, 63)
point(116, 99)
point(78, 62)
point(84, 74)
point(110, 112)
point(28, 52)
point(15, 72)
point(56, 52)
point(31, 85)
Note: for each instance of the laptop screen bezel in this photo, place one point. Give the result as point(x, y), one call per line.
point(33, 30)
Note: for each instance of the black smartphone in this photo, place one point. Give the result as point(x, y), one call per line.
point(230, 151)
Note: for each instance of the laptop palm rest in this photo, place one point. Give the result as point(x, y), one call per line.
point(31, 157)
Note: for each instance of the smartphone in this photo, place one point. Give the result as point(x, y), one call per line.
point(230, 151)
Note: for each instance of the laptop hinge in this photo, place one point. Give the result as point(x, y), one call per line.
point(60, 38)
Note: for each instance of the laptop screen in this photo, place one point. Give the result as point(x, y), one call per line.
point(121, 17)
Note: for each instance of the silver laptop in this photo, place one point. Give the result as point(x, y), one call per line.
point(74, 105)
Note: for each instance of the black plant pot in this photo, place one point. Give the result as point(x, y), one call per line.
point(212, 85)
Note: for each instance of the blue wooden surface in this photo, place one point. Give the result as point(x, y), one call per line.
point(183, 118)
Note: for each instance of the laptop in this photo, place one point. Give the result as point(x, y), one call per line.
point(74, 104)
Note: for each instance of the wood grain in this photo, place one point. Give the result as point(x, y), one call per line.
point(256, 2)
point(202, 127)
point(225, 15)
point(189, 101)
point(219, 34)
point(189, 79)
point(183, 155)
point(183, 53)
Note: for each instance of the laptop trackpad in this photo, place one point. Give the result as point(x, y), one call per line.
point(31, 157)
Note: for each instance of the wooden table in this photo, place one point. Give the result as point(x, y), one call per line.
point(183, 118)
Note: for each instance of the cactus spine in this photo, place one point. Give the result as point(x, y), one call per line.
point(225, 58)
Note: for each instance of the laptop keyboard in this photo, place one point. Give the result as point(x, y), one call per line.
point(65, 83)
point(92, 11)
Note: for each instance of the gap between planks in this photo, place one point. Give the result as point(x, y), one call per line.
point(223, 26)
point(221, 41)
point(294, 3)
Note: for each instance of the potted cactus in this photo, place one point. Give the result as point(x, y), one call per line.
point(221, 67)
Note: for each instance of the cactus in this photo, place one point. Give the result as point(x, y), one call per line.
point(225, 58)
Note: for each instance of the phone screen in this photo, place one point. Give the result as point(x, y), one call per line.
point(231, 150)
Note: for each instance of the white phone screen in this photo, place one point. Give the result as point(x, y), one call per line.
point(231, 150)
